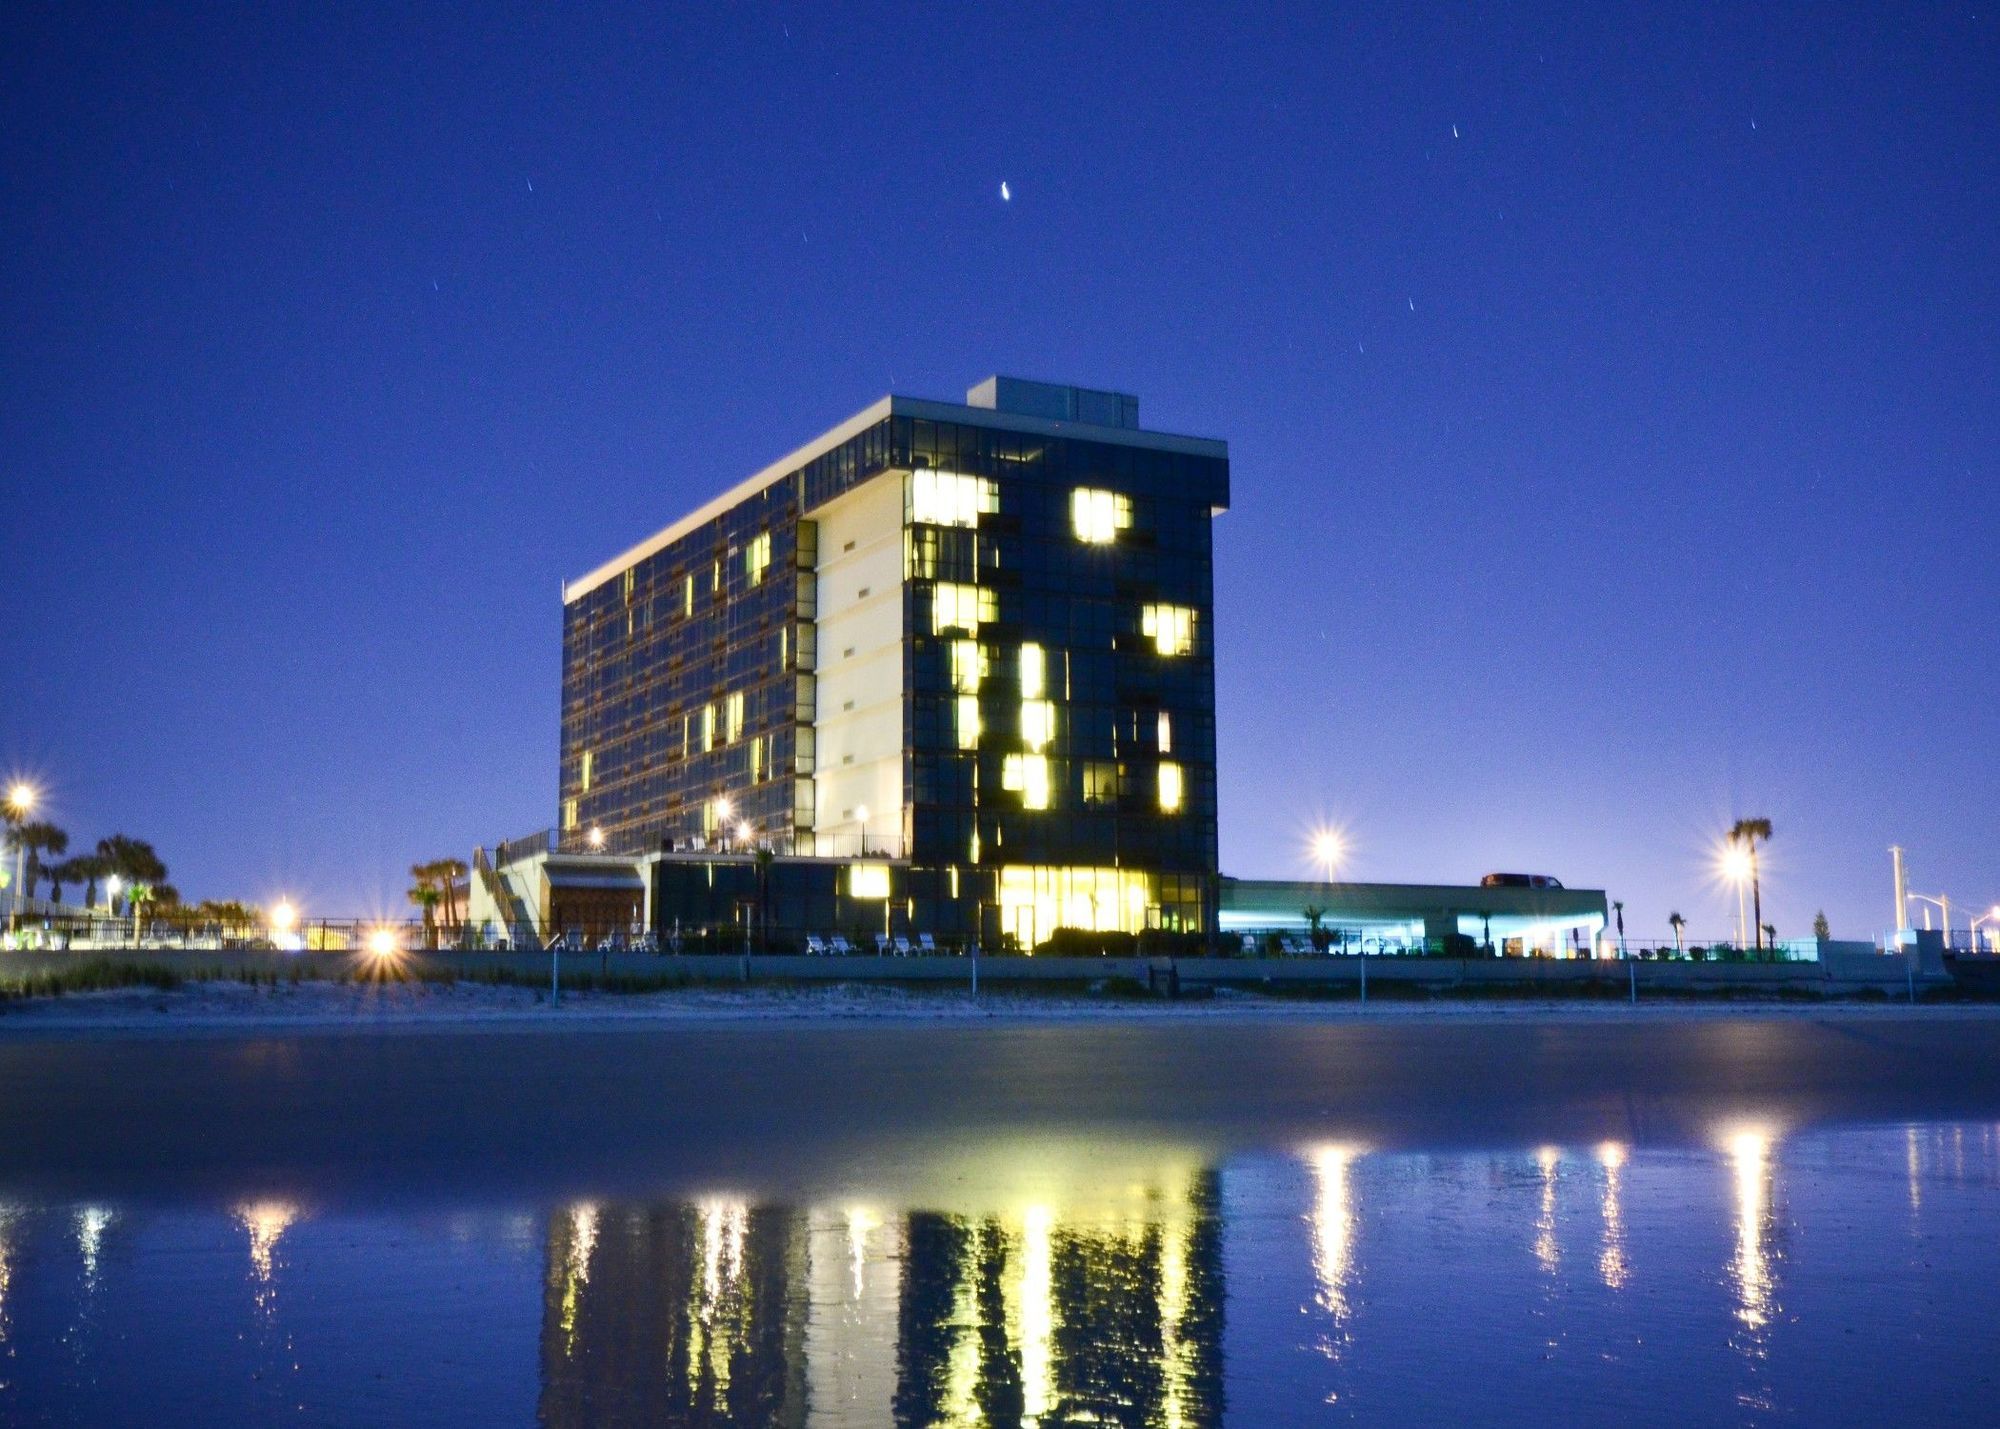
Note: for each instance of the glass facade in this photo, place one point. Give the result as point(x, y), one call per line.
point(1058, 677)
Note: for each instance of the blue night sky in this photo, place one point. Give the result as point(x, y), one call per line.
point(1611, 399)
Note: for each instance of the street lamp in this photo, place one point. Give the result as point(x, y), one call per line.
point(596, 837)
point(1328, 848)
point(284, 918)
point(20, 803)
point(1991, 915)
point(382, 943)
point(1943, 904)
point(1736, 869)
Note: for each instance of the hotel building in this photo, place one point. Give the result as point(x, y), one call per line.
point(952, 660)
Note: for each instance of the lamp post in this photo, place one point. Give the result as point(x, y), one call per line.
point(284, 918)
point(20, 803)
point(1943, 904)
point(861, 816)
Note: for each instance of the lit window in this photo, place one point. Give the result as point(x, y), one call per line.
point(1038, 723)
point(1098, 516)
point(868, 880)
point(1170, 786)
point(734, 718)
point(1034, 671)
point(756, 760)
point(968, 721)
point(687, 604)
point(1027, 775)
point(1166, 733)
point(707, 728)
point(960, 607)
point(586, 771)
point(715, 578)
point(757, 558)
point(569, 813)
point(630, 577)
point(1100, 782)
point(968, 666)
point(1170, 627)
point(947, 498)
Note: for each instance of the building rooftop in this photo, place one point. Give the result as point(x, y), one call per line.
point(1007, 403)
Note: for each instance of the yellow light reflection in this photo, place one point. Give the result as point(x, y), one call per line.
point(860, 1222)
point(1749, 1154)
point(265, 1221)
point(576, 1266)
point(1037, 1314)
point(1332, 1227)
point(1547, 1253)
point(1611, 1267)
point(91, 1224)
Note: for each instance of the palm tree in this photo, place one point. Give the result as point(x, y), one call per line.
point(1618, 909)
point(89, 869)
point(451, 873)
point(765, 858)
point(38, 838)
point(1679, 924)
point(426, 897)
point(1747, 832)
point(133, 860)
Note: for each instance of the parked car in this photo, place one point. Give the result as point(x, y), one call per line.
point(1519, 880)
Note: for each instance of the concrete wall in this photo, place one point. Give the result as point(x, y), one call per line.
point(858, 717)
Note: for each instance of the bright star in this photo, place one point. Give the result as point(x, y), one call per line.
point(1005, 195)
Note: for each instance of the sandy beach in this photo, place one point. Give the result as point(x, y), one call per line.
point(395, 1091)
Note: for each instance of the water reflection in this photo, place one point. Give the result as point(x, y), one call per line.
point(1611, 1266)
point(1332, 1232)
point(1056, 1298)
point(1547, 1254)
point(731, 1312)
point(1750, 1157)
point(91, 1224)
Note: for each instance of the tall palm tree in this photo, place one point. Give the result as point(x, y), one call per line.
point(1748, 832)
point(89, 869)
point(39, 837)
point(132, 859)
point(1678, 923)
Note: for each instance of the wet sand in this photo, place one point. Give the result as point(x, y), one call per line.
point(576, 1105)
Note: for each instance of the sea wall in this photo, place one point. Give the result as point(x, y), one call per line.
point(1890, 974)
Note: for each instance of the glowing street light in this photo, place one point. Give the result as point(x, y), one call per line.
point(743, 833)
point(20, 803)
point(1991, 915)
point(284, 917)
point(596, 837)
point(382, 943)
point(1734, 863)
point(1328, 849)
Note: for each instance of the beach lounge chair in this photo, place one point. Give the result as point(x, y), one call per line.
point(814, 946)
point(840, 945)
point(927, 945)
point(902, 946)
point(881, 945)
